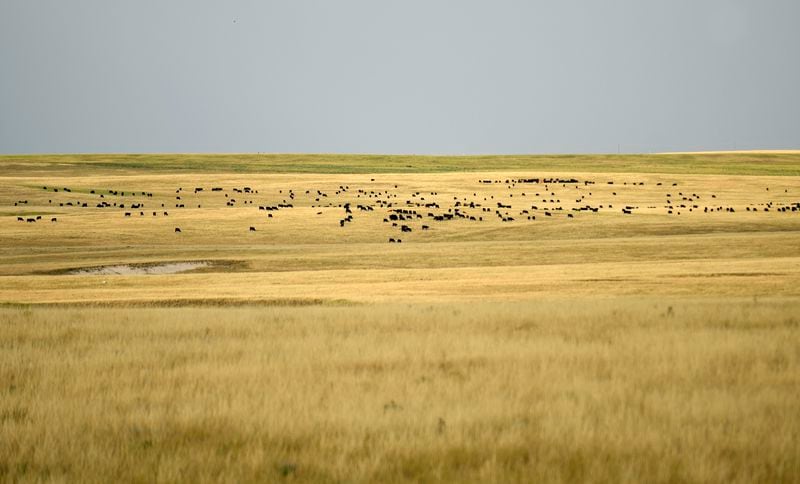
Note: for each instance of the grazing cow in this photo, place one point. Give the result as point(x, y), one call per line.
point(425, 227)
point(252, 229)
point(177, 229)
point(30, 220)
point(127, 214)
point(20, 219)
point(54, 219)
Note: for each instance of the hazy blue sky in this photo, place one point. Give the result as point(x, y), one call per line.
point(410, 76)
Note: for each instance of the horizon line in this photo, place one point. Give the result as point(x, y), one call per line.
point(321, 153)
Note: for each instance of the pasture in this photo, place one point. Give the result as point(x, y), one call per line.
point(400, 319)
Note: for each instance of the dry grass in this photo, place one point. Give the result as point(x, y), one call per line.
point(592, 390)
point(308, 237)
point(607, 347)
point(782, 163)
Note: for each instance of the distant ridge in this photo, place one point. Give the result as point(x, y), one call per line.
point(730, 152)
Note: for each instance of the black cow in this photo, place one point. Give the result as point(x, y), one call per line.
point(252, 229)
point(177, 229)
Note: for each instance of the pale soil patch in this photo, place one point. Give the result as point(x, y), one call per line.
point(132, 270)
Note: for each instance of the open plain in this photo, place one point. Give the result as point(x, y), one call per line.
point(371, 318)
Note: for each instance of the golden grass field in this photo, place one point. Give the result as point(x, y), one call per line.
point(601, 347)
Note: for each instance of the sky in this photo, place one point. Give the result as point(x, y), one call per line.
point(410, 76)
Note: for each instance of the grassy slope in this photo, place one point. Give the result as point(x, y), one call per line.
point(787, 164)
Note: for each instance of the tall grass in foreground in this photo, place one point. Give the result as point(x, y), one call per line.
point(621, 390)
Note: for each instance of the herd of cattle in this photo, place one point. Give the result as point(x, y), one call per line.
point(510, 200)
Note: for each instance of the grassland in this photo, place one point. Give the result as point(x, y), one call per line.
point(621, 390)
point(738, 163)
point(658, 346)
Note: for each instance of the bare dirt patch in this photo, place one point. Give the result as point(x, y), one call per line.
point(137, 269)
